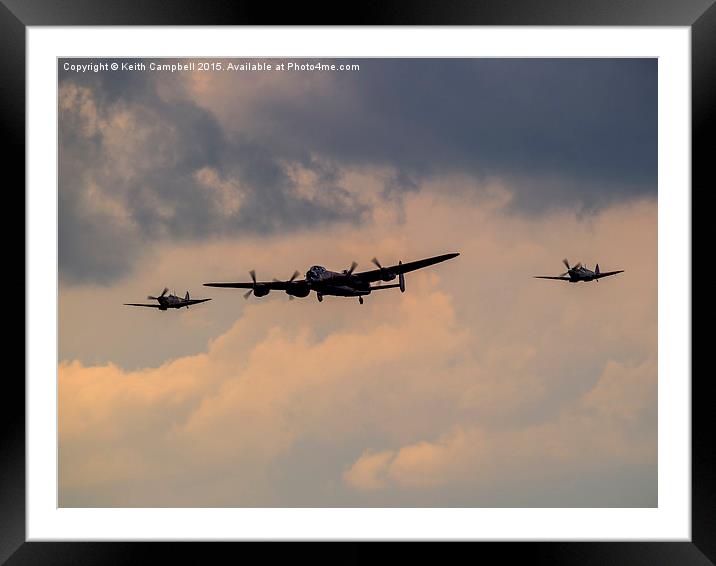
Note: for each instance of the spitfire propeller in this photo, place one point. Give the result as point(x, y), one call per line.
point(570, 269)
point(164, 292)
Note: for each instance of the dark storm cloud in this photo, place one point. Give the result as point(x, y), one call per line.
point(131, 167)
point(137, 167)
point(588, 126)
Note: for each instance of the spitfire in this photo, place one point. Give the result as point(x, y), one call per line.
point(580, 272)
point(169, 301)
point(345, 283)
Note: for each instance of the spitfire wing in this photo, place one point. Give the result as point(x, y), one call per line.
point(141, 305)
point(377, 274)
point(547, 277)
point(195, 301)
point(607, 274)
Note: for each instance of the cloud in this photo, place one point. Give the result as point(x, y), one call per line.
point(577, 442)
point(246, 400)
point(623, 390)
point(568, 129)
point(193, 156)
point(136, 170)
point(478, 386)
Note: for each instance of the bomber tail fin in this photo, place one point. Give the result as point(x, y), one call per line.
point(401, 280)
point(596, 269)
point(186, 297)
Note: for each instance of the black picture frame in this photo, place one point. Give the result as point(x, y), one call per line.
point(16, 15)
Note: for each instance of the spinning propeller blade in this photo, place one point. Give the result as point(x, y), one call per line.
point(164, 292)
point(253, 278)
point(290, 280)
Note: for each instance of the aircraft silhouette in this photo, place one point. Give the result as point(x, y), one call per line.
point(345, 283)
point(169, 301)
point(580, 272)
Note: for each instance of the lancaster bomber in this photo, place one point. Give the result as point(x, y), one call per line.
point(344, 283)
point(169, 301)
point(580, 272)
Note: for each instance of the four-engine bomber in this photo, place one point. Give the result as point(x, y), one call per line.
point(344, 283)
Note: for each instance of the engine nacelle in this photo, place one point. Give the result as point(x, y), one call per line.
point(299, 291)
point(388, 275)
point(261, 290)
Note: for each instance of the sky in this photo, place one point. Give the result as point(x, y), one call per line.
point(478, 387)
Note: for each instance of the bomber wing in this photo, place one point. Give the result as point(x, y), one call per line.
point(377, 274)
point(607, 274)
point(273, 285)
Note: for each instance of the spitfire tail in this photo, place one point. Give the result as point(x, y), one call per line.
point(186, 297)
point(596, 269)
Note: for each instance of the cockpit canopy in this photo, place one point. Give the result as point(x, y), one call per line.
point(315, 272)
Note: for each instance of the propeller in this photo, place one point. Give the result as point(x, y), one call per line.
point(569, 269)
point(164, 292)
point(295, 274)
point(290, 280)
point(385, 274)
point(253, 278)
point(351, 269)
point(566, 264)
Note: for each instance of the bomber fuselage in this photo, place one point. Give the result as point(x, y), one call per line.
point(338, 284)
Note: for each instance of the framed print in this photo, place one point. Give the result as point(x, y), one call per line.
point(359, 283)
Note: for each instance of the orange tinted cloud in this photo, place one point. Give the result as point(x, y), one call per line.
point(479, 385)
point(577, 442)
